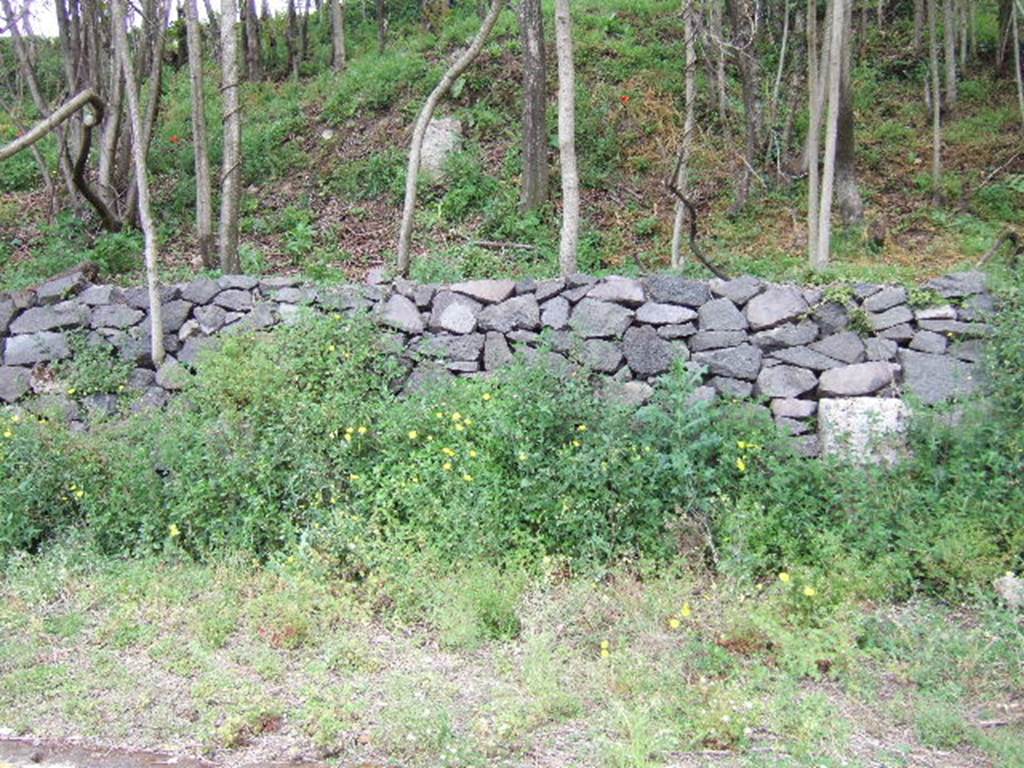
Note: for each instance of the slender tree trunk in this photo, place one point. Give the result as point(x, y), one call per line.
point(204, 194)
point(831, 135)
point(292, 40)
point(813, 133)
point(426, 113)
point(682, 179)
point(231, 175)
point(214, 23)
point(569, 242)
point(949, 38)
point(848, 197)
point(253, 44)
point(715, 22)
point(938, 195)
point(749, 82)
point(535, 124)
point(121, 51)
point(1015, 21)
point(338, 34)
point(382, 24)
point(110, 139)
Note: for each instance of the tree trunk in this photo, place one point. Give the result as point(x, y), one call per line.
point(382, 24)
point(426, 113)
point(292, 40)
point(253, 44)
point(919, 25)
point(848, 197)
point(231, 175)
point(949, 38)
point(338, 34)
point(535, 124)
point(824, 246)
point(715, 23)
point(1015, 21)
point(938, 195)
point(570, 236)
point(750, 87)
point(813, 133)
point(121, 51)
point(204, 194)
point(214, 23)
point(682, 177)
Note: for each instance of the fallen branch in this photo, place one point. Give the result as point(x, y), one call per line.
point(43, 127)
point(1011, 237)
point(691, 211)
point(500, 245)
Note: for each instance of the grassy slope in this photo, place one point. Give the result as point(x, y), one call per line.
point(249, 664)
point(329, 207)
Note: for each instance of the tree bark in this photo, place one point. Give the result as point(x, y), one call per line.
point(382, 24)
point(1016, 14)
point(253, 44)
point(938, 195)
point(569, 242)
point(949, 38)
point(535, 125)
point(426, 113)
point(831, 135)
point(51, 122)
point(231, 175)
point(813, 144)
point(682, 175)
point(746, 45)
point(121, 51)
point(204, 193)
point(338, 34)
point(848, 197)
point(919, 14)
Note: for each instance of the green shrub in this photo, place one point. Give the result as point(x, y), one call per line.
point(92, 368)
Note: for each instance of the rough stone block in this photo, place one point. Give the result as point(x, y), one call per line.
point(866, 430)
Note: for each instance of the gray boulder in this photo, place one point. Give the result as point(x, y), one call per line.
point(704, 340)
point(785, 381)
point(855, 380)
point(173, 315)
point(621, 290)
point(777, 305)
point(805, 358)
point(681, 331)
point(721, 315)
point(14, 382)
point(937, 378)
point(793, 409)
point(442, 138)
point(929, 341)
point(496, 351)
point(211, 319)
point(786, 335)
point(115, 316)
point(49, 318)
point(200, 291)
point(831, 316)
point(880, 349)
point(400, 313)
point(602, 355)
point(486, 291)
point(60, 288)
point(454, 312)
point(599, 319)
point(729, 387)
point(897, 315)
point(664, 314)
point(887, 298)
point(647, 354)
point(7, 313)
point(237, 282)
point(742, 362)
point(845, 346)
point(32, 348)
point(958, 284)
point(517, 312)
point(234, 299)
point(670, 289)
point(458, 347)
point(555, 313)
point(739, 290)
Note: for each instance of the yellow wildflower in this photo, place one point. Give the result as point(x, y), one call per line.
point(353, 477)
point(172, 529)
point(439, 414)
point(685, 611)
point(459, 428)
point(447, 466)
point(348, 437)
point(810, 591)
point(522, 456)
point(486, 396)
point(456, 416)
point(349, 430)
point(71, 390)
point(741, 465)
point(581, 428)
point(467, 477)
point(79, 493)
point(673, 623)
point(7, 433)
point(15, 419)
point(605, 653)
point(468, 422)
point(576, 443)
point(784, 577)
point(447, 451)
point(413, 434)
point(472, 454)
point(361, 430)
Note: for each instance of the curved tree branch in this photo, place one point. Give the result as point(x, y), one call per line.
point(691, 211)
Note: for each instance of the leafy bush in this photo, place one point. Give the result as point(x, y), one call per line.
point(118, 252)
point(92, 368)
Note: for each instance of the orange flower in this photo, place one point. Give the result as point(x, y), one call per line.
point(175, 139)
point(624, 98)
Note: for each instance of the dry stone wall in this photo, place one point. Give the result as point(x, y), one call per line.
point(787, 345)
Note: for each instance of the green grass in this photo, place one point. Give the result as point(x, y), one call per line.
point(375, 679)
